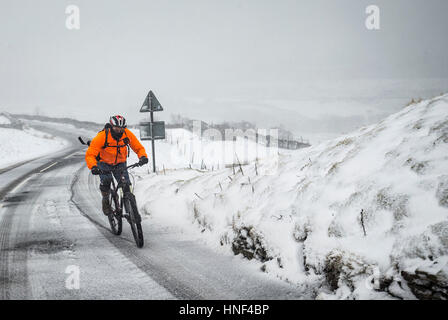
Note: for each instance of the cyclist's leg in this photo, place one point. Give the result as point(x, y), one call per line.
point(121, 167)
point(105, 176)
point(106, 180)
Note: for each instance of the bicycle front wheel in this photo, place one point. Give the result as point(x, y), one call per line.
point(135, 220)
point(115, 218)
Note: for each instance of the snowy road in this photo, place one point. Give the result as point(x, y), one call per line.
point(51, 224)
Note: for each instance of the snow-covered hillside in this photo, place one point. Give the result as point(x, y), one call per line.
point(20, 143)
point(361, 216)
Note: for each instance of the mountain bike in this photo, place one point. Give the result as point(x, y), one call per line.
point(121, 197)
point(125, 200)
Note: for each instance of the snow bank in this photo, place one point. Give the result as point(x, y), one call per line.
point(183, 149)
point(363, 216)
point(21, 145)
point(4, 120)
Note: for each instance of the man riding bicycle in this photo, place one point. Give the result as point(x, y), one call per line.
point(107, 154)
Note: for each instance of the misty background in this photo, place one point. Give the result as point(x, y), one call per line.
point(310, 66)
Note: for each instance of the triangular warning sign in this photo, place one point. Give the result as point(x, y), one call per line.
point(151, 103)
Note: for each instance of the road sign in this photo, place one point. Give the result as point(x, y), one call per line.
point(152, 130)
point(151, 104)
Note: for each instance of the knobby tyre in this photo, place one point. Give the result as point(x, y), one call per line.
point(115, 218)
point(135, 221)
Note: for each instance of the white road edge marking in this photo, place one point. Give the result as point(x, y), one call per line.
point(71, 154)
point(20, 184)
point(48, 167)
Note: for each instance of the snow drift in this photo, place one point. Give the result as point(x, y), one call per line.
point(19, 142)
point(363, 216)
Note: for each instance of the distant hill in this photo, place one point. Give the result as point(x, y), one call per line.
point(285, 137)
point(89, 125)
point(286, 140)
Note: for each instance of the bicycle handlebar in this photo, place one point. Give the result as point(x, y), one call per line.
point(137, 164)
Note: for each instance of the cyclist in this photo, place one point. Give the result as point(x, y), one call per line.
point(107, 154)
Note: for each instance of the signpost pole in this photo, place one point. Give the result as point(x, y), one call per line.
point(153, 145)
point(151, 104)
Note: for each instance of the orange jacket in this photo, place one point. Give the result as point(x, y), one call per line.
point(111, 154)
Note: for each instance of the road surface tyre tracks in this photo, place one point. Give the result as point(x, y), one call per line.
point(16, 182)
point(15, 165)
point(10, 253)
point(128, 248)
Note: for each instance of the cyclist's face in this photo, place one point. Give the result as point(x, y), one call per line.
point(117, 129)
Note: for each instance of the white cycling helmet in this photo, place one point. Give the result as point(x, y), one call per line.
point(118, 121)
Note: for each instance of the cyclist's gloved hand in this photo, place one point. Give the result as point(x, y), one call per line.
point(143, 160)
point(95, 170)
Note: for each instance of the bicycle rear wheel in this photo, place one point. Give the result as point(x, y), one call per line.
point(115, 218)
point(135, 220)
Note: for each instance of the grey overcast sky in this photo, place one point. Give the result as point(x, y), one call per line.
point(285, 61)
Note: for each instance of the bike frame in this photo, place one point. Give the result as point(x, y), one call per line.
point(124, 186)
point(126, 200)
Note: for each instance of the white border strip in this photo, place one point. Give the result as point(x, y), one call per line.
point(48, 167)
